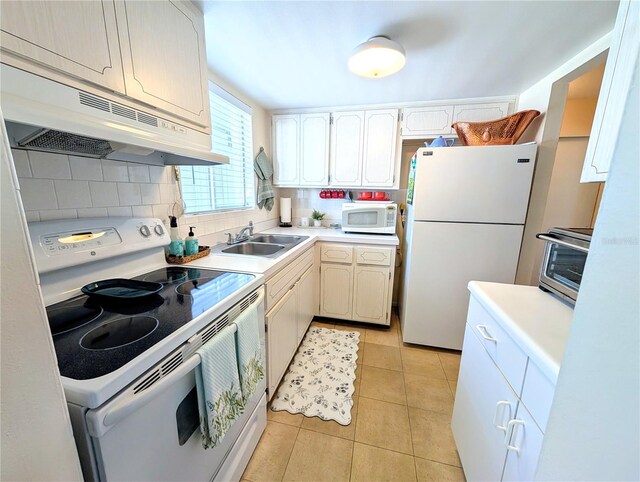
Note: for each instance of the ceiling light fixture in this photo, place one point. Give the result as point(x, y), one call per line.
point(377, 57)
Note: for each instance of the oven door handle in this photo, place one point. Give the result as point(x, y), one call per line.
point(100, 420)
point(553, 239)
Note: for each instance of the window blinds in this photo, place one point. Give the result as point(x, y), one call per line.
point(228, 186)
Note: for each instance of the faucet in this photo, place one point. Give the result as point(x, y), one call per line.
point(242, 235)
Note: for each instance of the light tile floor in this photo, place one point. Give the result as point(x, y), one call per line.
point(400, 428)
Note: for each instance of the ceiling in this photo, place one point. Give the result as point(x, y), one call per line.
point(293, 54)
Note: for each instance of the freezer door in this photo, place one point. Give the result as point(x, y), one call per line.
point(487, 184)
point(443, 258)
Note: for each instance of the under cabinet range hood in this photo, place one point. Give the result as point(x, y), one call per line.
point(44, 115)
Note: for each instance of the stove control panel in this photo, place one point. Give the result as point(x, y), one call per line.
point(63, 243)
point(73, 242)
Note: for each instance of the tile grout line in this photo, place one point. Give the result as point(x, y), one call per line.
point(290, 454)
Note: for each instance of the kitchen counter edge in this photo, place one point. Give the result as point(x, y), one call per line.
point(538, 322)
point(269, 266)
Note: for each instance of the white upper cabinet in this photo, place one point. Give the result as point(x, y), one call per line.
point(301, 149)
point(347, 133)
point(286, 141)
point(164, 59)
point(152, 54)
point(480, 112)
point(76, 38)
point(422, 122)
point(622, 61)
point(378, 164)
point(314, 149)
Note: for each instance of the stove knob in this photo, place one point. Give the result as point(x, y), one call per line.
point(144, 230)
point(159, 229)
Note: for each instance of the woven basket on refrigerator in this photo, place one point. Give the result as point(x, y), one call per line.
point(505, 131)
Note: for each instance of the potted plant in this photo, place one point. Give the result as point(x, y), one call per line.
point(317, 218)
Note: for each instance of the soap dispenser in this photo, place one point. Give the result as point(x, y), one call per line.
point(176, 247)
point(191, 243)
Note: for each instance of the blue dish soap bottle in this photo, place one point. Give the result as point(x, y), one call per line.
point(191, 243)
point(176, 247)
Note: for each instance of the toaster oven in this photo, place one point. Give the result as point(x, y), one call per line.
point(565, 255)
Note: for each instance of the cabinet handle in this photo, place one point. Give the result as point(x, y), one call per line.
point(499, 414)
point(484, 333)
point(511, 431)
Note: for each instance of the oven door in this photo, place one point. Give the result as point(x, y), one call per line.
point(563, 265)
point(155, 434)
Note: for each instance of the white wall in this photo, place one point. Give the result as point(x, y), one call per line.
point(548, 96)
point(37, 442)
point(594, 425)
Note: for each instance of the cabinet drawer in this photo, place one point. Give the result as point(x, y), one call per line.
point(509, 358)
point(374, 256)
point(537, 395)
point(284, 279)
point(336, 253)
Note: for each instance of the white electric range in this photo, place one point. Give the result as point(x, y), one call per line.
point(127, 362)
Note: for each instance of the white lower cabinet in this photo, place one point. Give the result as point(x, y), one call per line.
point(525, 444)
point(336, 290)
point(484, 405)
point(281, 336)
point(495, 432)
point(371, 287)
point(307, 288)
point(291, 302)
point(356, 288)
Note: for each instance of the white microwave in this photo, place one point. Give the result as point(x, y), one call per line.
point(373, 218)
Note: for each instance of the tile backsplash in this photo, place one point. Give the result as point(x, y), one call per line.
point(56, 186)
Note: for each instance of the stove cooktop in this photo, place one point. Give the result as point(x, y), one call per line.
point(93, 337)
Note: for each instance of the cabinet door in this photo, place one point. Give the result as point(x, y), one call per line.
point(480, 112)
point(336, 290)
point(421, 122)
point(379, 156)
point(371, 288)
point(347, 133)
point(76, 38)
point(306, 302)
point(286, 142)
point(314, 149)
point(524, 447)
point(163, 53)
point(281, 338)
point(616, 83)
point(483, 407)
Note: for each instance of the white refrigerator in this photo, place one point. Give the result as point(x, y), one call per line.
point(466, 208)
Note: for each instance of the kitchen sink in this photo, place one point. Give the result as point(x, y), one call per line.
point(278, 239)
point(264, 245)
point(253, 249)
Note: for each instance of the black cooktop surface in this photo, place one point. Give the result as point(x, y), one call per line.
point(93, 337)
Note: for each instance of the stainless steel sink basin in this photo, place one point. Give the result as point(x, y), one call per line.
point(277, 239)
point(264, 245)
point(253, 249)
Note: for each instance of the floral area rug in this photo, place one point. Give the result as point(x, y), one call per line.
point(319, 382)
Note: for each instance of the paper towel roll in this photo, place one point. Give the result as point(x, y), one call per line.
point(285, 209)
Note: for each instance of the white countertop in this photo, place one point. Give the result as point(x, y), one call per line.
point(537, 321)
point(269, 266)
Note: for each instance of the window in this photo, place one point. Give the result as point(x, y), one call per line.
point(227, 186)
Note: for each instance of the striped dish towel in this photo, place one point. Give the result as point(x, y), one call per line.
point(250, 362)
point(264, 170)
point(220, 399)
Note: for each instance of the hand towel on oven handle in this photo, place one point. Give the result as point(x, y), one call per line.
point(250, 362)
point(220, 400)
